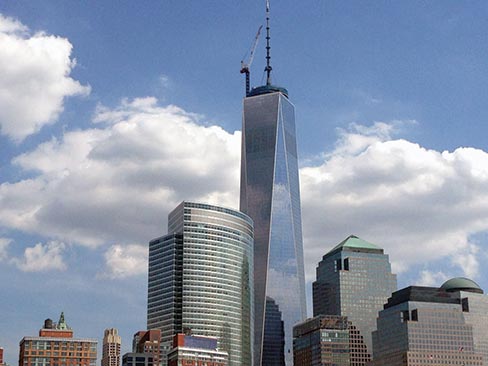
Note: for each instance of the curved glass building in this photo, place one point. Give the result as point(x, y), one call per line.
point(200, 278)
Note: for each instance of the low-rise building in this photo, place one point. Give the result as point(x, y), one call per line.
point(322, 340)
point(56, 346)
point(191, 350)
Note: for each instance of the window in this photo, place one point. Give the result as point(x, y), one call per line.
point(465, 305)
point(415, 315)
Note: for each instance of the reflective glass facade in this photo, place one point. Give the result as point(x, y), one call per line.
point(270, 196)
point(354, 279)
point(424, 326)
point(475, 307)
point(200, 278)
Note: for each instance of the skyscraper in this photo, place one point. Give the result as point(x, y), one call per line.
point(428, 326)
point(111, 348)
point(200, 278)
point(270, 196)
point(354, 279)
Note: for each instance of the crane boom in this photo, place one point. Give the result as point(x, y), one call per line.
point(245, 66)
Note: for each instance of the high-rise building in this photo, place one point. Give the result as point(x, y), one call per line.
point(192, 350)
point(200, 278)
point(430, 326)
point(56, 346)
point(270, 195)
point(111, 348)
point(322, 341)
point(474, 304)
point(354, 279)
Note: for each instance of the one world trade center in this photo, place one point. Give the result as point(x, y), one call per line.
point(270, 195)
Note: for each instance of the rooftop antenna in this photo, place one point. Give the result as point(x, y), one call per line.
point(268, 67)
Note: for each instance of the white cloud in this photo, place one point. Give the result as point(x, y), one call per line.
point(4, 243)
point(421, 205)
point(117, 183)
point(34, 78)
point(123, 261)
point(42, 257)
point(430, 278)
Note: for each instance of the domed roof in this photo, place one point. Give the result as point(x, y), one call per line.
point(461, 284)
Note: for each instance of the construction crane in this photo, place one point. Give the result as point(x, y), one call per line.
point(245, 66)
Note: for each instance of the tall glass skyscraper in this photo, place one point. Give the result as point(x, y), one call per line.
point(200, 279)
point(354, 279)
point(270, 196)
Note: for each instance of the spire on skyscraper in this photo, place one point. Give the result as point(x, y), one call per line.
point(268, 67)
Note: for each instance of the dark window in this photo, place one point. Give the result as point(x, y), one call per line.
point(415, 315)
point(465, 305)
point(346, 264)
point(338, 264)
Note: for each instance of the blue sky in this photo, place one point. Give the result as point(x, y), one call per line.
point(391, 122)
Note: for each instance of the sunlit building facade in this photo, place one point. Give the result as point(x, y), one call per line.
point(111, 348)
point(200, 279)
point(56, 346)
point(270, 196)
point(426, 326)
point(189, 350)
point(354, 279)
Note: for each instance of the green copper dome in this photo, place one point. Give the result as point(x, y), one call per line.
point(461, 284)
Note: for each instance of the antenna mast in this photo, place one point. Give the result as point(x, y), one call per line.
point(268, 67)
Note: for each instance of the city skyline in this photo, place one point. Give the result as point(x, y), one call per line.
point(391, 93)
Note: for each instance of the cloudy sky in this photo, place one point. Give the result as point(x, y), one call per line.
point(113, 113)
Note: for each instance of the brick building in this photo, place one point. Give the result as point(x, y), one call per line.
point(56, 346)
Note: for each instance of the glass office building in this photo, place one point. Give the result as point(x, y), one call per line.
point(270, 196)
point(426, 326)
point(354, 279)
point(200, 278)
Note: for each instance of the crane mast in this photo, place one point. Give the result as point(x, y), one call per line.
point(245, 66)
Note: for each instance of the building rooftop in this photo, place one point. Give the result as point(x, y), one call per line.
point(421, 294)
point(267, 89)
point(354, 243)
point(461, 284)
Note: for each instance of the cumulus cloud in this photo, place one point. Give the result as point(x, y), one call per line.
point(34, 78)
point(42, 257)
point(430, 278)
point(419, 204)
point(123, 261)
point(116, 183)
point(4, 243)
